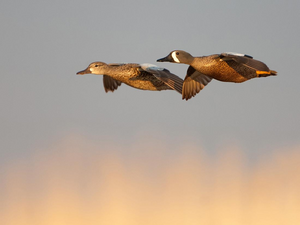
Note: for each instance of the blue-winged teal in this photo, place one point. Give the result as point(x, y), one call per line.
point(141, 76)
point(228, 67)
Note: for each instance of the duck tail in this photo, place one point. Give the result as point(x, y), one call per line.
point(273, 72)
point(266, 73)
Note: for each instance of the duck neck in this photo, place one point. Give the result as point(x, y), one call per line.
point(198, 62)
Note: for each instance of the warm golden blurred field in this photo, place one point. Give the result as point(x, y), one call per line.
point(75, 182)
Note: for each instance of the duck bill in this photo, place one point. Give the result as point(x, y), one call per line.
point(166, 59)
point(82, 72)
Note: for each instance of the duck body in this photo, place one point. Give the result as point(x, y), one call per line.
point(140, 76)
point(222, 70)
point(226, 67)
point(132, 75)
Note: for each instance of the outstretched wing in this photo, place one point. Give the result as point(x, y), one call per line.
point(165, 76)
point(246, 60)
point(193, 83)
point(110, 84)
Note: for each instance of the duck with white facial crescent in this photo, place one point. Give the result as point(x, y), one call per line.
point(227, 67)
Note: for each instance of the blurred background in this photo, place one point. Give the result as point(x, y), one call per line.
point(72, 154)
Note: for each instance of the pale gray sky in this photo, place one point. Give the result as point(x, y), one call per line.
point(44, 43)
point(71, 153)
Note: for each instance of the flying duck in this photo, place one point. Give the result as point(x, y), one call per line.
point(227, 67)
point(140, 76)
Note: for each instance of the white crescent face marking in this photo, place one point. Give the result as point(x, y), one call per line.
point(175, 57)
point(91, 69)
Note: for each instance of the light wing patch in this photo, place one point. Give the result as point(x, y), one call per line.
point(237, 54)
point(146, 66)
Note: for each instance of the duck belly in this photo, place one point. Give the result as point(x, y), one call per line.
point(154, 85)
point(230, 72)
point(229, 77)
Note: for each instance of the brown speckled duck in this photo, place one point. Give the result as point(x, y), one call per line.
point(227, 67)
point(140, 76)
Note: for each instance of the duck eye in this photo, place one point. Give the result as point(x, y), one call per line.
point(96, 65)
point(177, 53)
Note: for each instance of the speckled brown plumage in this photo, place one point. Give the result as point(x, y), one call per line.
point(229, 71)
point(144, 77)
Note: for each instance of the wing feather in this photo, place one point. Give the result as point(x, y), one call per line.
point(246, 61)
point(110, 84)
point(193, 83)
point(164, 75)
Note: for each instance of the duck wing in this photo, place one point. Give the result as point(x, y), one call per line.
point(164, 75)
point(194, 82)
point(110, 84)
point(245, 60)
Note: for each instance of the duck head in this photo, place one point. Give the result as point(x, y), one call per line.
point(94, 68)
point(177, 56)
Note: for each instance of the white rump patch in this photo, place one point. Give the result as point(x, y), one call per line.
point(175, 57)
